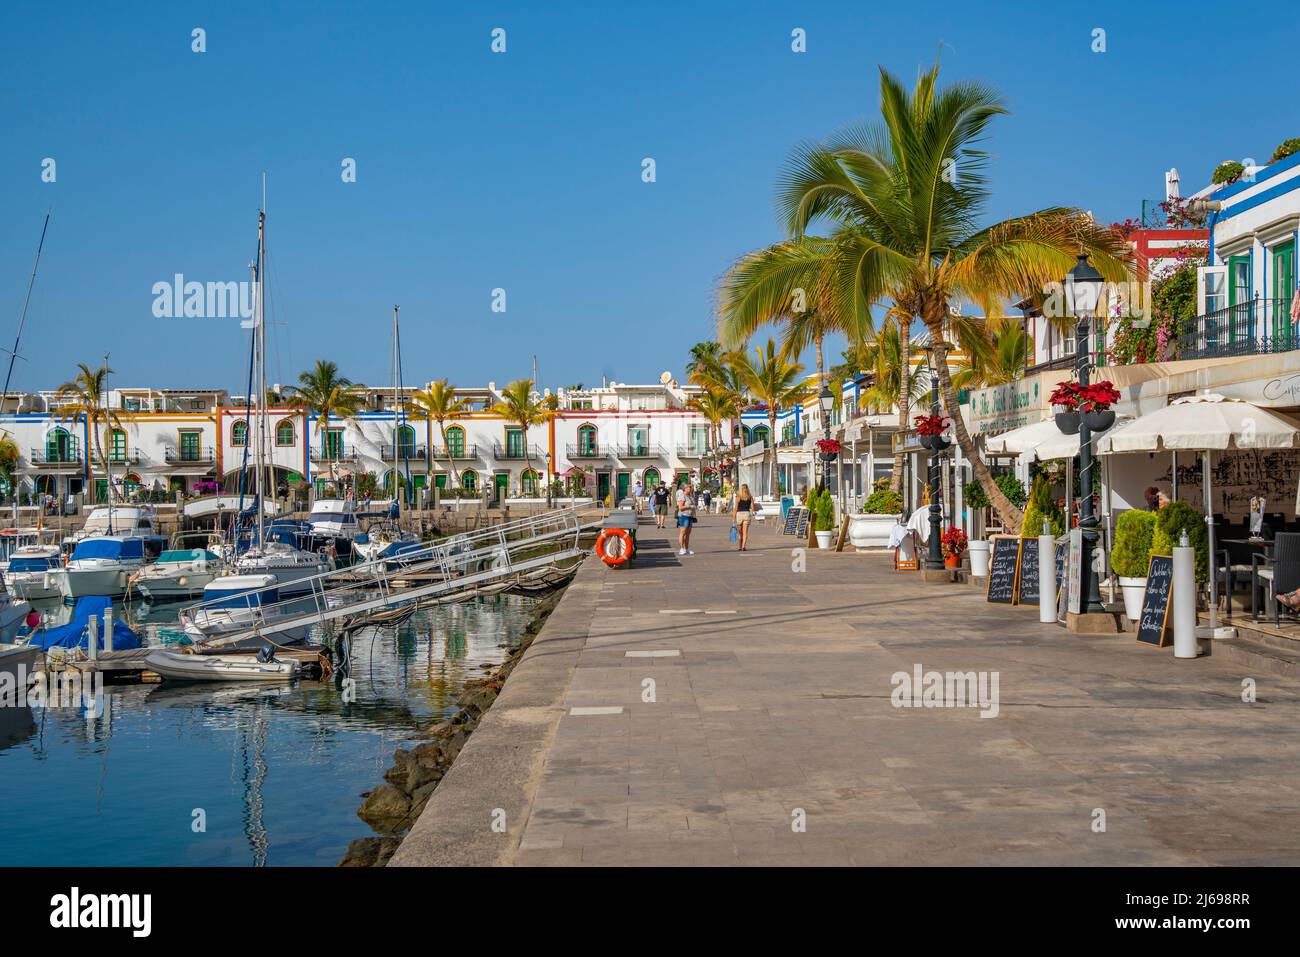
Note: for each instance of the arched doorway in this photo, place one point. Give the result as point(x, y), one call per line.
point(650, 478)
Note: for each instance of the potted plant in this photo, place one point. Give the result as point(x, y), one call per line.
point(1131, 556)
point(872, 526)
point(1065, 397)
point(1095, 403)
point(828, 449)
point(1171, 521)
point(954, 545)
point(930, 429)
point(823, 510)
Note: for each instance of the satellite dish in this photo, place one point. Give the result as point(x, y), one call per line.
point(665, 377)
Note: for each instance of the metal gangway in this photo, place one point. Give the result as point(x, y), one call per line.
point(461, 562)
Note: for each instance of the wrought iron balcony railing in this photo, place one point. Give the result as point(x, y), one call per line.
point(55, 457)
point(319, 454)
point(1255, 327)
point(586, 450)
point(401, 451)
point(190, 457)
point(467, 452)
point(516, 452)
point(691, 452)
point(643, 450)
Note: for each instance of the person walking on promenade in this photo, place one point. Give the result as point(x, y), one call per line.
point(741, 513)
point(638, 493)
point(660, 502)
point(685, 518)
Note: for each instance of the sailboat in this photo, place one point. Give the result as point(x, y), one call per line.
point(292, 567)
point(388, 539)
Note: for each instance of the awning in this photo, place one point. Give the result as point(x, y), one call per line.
point(1204, 423)
point(1038, 441)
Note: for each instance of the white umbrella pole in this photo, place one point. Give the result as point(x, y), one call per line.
point(1069, 495)
point(1105, 491)
point(1209, 520)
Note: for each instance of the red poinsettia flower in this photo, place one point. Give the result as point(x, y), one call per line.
point(1098, 397)
point(930, 424)
point(1066, 394)
point(954, 541)
point(827, 446)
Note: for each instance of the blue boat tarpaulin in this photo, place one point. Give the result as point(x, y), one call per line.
point(73, 634)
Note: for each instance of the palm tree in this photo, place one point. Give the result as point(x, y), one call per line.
point(518, 406)
point(439, 403)
point(777, 382)
point(81, 396)
point(904, 197)
point(718, 371)
point(321, 390)
point(807, 285)
point(715, 406)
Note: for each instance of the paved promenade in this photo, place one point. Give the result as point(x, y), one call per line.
point(724, 708)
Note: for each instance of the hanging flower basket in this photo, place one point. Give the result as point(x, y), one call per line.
point(1099, 420)
point(1068, 422)
point(929, 431)
point(828, 449)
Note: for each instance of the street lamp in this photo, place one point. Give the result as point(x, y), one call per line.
point(1082, 294)
point(934, 551)
point(826, 399)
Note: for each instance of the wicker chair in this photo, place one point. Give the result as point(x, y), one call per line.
point(1276, 574)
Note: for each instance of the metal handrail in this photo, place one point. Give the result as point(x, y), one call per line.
point(375, 574)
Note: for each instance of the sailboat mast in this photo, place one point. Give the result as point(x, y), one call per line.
point(108, 459)
point(260, 333)
point(397, 407)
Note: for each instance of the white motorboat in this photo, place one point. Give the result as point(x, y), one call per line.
point(384, 540)
point(178, 573)
point(31, 572)
point(174, 666)
point(126, 521)
point(234, 603)
point(101, 565)
point(18, 663)
point(293, 568)
point(335, 519)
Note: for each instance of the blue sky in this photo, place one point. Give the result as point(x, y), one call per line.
point(522, 170)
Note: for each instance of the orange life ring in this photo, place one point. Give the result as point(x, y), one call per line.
point(622, 549)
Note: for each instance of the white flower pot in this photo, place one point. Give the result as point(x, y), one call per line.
point(1134, 589)
point(824, 539)
point(979, 558)
point(870, 531)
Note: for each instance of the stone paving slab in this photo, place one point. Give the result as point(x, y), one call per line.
point(772, 739)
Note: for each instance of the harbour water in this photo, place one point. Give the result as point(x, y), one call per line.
point(237, 775)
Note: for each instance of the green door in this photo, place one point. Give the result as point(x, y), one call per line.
point(440, 481)
point(1283, 291)
point(501, 486)
point(1239, 320)
point(191, 446)
point(515, 443)
point(624, 483)
point(602, 486)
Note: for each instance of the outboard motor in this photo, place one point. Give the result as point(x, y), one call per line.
point(266, 655)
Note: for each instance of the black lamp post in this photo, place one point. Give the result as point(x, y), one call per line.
point(1082, 293)
point(934, 555)
point(826, 399)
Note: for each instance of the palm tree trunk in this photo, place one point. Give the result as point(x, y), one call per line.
point(1012, 517)
point(821, 368)
point(103, 458)
point(904, 400)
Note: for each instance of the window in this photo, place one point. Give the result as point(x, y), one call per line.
point(528, 482)
point(333, 443)
point(761, 434)
point(515, 445)
point(239, 434)
point(587, 440)
point(191, 442)
point(456, 444)
point(60, 446)
point(285, 434)
point(468, 479)
point(405, 442)
point(116, 445)
point(698, 439)
point(638, 439)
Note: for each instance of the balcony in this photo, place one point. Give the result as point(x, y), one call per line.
point(190, 457)
point(1252, 328)
point(643, 450)
point(585, 451)
point(123, 458)
point(319, 454)
point(691, 451)
point(402, 451)
point(458, 453)
point(55, 458)
point(516, 452)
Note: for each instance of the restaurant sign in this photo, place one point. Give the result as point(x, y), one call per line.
point(1007, 406)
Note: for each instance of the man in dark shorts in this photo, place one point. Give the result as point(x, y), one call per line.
point(660, 500)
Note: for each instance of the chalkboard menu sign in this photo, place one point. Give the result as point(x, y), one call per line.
point(1155, 602)
point(796, 521)
point(1027, 576)
point(1002, 571)
point(1062, 555)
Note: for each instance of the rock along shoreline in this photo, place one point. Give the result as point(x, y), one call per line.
point(395, 805)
